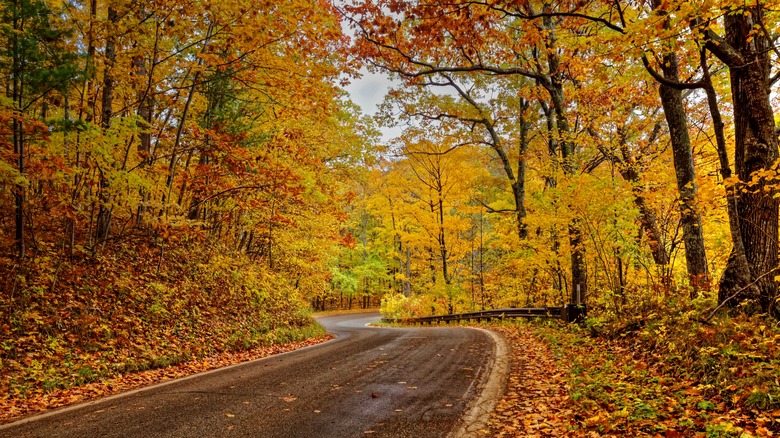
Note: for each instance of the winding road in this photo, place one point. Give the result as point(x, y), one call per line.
point(386, 382)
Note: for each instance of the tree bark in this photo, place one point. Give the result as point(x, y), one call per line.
point(746, 53)
point(107, 100)
point(554, 86)
point(442, 240)
point(685, 173)
point(18, 130)
point(518, 186)
point(143, 96)
point(737, 273)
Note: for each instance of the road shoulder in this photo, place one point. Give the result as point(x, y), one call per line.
point(537, 401)
point(15, 411)
point(474, 422)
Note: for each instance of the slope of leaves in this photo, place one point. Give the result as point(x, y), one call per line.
point(671, 377)
point(68, 324)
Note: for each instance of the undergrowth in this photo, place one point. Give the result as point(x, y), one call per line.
point(665, 370)
point(136, 308)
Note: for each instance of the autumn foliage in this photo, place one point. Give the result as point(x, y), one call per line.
point(173, 182)
point(608, 150)
point(618, 154)
point(179, 179)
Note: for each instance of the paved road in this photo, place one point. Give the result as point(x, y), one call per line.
point(368, 382)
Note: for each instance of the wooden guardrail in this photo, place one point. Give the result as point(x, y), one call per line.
point(569, 313)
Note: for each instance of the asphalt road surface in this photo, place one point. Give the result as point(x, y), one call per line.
point(368, 382)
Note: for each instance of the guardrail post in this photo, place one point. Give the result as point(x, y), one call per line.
point(574, 312)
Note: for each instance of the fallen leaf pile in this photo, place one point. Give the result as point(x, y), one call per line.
point(13, 408)
point(536, 402)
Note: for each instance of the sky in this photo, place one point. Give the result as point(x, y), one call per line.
point(368, 92)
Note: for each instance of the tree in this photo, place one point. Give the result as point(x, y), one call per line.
point(674, 110)
point(440, 39)
point(745, 50)
point(501, 121)
point(37, 66)
point(744, 47)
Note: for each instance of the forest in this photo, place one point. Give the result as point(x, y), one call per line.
point(180, 179)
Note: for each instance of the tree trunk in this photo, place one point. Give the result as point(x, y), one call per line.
point(554, 86)
point(518, 186)
point(107, 100)
point(442, 241)
point(143, 95)
point(407, 284)
point(685, 172)
point(746, 52)
point(17, 93)
point(579, 273)
point(695, 255)
point(736, 276)
point(144, 111)
point(647, 218)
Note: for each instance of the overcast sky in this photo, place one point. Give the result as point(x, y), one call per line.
point(368, 92)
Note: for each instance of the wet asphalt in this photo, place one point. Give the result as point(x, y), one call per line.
point(368, 382)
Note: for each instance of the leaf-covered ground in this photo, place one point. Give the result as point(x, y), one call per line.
point(570, 381)
point(72, 329)
point(536, 402)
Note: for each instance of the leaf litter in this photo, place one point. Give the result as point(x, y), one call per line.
point(536, 402)
point(563, 382)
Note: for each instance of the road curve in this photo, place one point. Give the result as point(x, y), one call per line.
point(386, 382)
